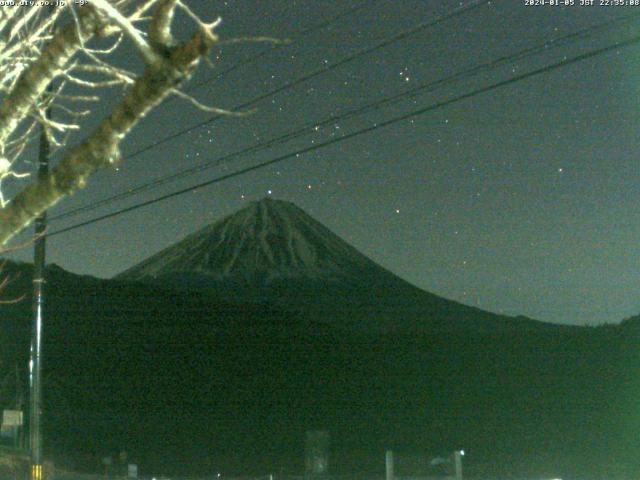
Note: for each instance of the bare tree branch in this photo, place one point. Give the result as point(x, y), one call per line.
point(101, 148)
point(34, 81)
point(149, 54)
point(64, 68)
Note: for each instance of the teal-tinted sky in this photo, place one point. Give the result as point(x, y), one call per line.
point(522, 200)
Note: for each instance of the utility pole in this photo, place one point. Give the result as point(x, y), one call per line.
point(457, 457)
point(20, 406)
point(35, 363)
point(389, 465)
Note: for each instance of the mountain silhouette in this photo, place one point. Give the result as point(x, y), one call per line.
point(283, 328)
point(272, 251)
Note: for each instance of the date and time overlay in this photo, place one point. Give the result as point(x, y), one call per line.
point(582, 3)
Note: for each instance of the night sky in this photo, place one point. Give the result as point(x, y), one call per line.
point(522, 200)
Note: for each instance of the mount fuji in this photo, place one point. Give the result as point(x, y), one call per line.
point(290, 329)
point(267, 242)
point(272, 251)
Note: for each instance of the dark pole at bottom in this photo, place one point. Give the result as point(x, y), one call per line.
point(35, 364)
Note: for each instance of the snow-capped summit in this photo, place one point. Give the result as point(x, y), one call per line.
point(272, 251)
point(268, 241)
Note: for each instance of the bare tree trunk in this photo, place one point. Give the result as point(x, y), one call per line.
point(167, 66)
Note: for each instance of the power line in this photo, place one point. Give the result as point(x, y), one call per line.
point(310, 127)
point(376, 126)
point(239, 64)
point(251, 59)
point(275, 47)
point(326, 68)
